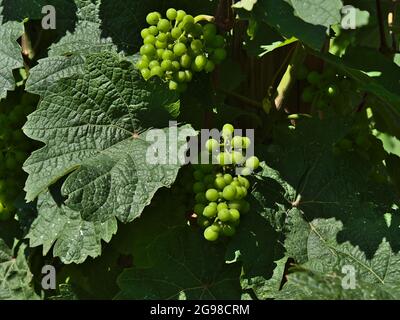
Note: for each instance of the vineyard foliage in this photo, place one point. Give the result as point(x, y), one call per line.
point(318, 81)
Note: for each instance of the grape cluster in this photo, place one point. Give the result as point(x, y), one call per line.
point(14, 149)
point(177, 46)
point(323, 88)
point(220, 193)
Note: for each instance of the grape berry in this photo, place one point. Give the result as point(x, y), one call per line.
point(175, 48)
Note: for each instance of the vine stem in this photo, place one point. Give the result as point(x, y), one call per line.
point(383, 45)
point(250, 102)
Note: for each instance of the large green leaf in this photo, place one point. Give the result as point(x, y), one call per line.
point(374, 277)
point(74, 239)
point(319, 12)
point(95, 127)
point(10, 55)
point(281, 16)
point(186, 267)
point(67, 56)
point(15, 276)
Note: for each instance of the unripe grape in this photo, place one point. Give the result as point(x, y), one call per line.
point(219, 55)
point(168, 55)
point(200, 198)
point(218, 41)
point(152, 18)
point(199, 208)
point(173, 85)
point(196, 45)
point(153, 30)
point(252, 163)
point(144, 33)
point(209, 67)
point(203, 222)
point(219, 183)
point(224, 215)
point(227, 130)
point(160, 53)
point(189, 75)
point(210, 212)
point(150, 39)
point(314, 77)
point(200, 62)
point(212, 195)
point(244, 182)
point(142, 64)
point(146, 74)
point(228, 178)
point(235, 214)
point(246, 142)
point(186, 61)
point(176, 33)
point(180, 76)
point(163, 37)
point(176, 65)
point(153, 63)
point(166, 65)
point(212, 145)
point(237, 157)
point(308, 95)
point(180, 49)
point(180, 15)
point(228, 230)
point(210, 234)
point(171, 14)
point(164, 25)
point(161, 45)
point(224, 158)
point(148, 50)
point(229, 192)
point(221, 206)
point(198, 187)
point(237, 142)
point(156, 72)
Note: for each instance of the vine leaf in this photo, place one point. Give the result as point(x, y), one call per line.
point(320, 277)
point(74, 239)
point(245, 4)
point(96, 129)
point(318, 12)
point(186, 267)
point(10, 55)
point(15, 276)
point(67, 57)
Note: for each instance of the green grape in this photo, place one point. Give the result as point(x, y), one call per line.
point(219, 55)
point(152, 18)
point(228, 178)
point(210, 28)
point(200, 62)
point(180, 49)
point(237, 157)
point(180, 15)
point(176, 65)
point(168, 55)
point(148, 50)
point(171, 14)
point(332, 91)
point(5, 213)
point(142, 64)
point(186, 61)
point(224, 215)
point(196, 30)
point(198, 175)
point(166, 65)
point(153, 30)
point(163, 37)
point(314, 78)
point(228, 230)
point(150, 39)
point(212, 195)
point(235, 204)
point(219, 183)
point(176, 33)
point(173, 85)
point(210, 211)
point(161, 45)
point(199, 187)
point(210, 234)
point(227, 130)
point(153, 64)
point(199, 208)
point(213, 204)
point(224, 158)
point(229, 192)
point(200, 198)
point(237, 142)
point(221, 206)
point(209, 179)
point(209, 67)
point(146, 74)
point(252, 163)
point(244, 182)
point(218, 41)
point(235, 214)
point(156, 72)
point(180, 76)
point(240, 194)
point(160, 53)
point(189, 75)
point(188, 22)
point(144, 33)
point(164, 25)
point(203, 222)
point(212, 145)
point(196, 46)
